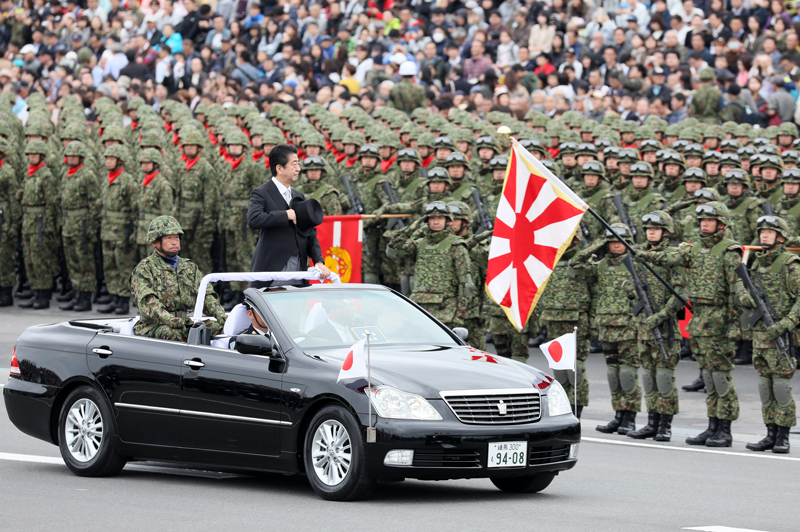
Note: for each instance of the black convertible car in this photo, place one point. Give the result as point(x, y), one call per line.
point(440, 409)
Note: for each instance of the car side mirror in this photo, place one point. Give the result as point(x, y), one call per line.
point(461, 332)
point(256, 344)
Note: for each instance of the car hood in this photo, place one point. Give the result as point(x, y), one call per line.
point(427, 370)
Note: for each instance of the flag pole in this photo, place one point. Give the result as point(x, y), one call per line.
point(575, 334)
point(371, 431)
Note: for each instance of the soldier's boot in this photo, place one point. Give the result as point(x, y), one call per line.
point(768, 442)
point(489, 338)
point(28, 303)
point(70, 305)
point(66, 297)
point(24, 292)
point(42, 300)
point(84, 302)
point(744, 355)
point(613, 425)
point(686, 348)
point(781, 441)
point(6, 299)
point(695, 386)
point(628, 423)
point(664, 428)
point(649, 430)
point(541, 337)
point(103, 297)
point(723, 437)
point(700, 439)
point(123, 307)
point(112, 305)
point(596, 346)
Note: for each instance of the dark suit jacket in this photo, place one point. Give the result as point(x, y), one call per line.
point(279, 239)
point(325, 331)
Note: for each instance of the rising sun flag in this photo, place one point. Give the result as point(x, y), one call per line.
point(536, 220)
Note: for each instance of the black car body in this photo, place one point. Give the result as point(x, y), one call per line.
point(218, 407)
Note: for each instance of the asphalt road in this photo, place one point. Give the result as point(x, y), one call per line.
point(618, 484)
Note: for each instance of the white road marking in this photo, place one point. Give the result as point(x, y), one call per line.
point(770, 456)
point(31, 458)
point(720, 529)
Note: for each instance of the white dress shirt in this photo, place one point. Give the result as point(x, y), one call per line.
point(341, 330)
point(286, 192)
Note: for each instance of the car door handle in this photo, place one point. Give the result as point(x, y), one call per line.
point(195, 363)
point(103, 351)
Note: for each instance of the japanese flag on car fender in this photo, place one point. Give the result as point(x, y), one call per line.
point(354, 365)
point(561, 352)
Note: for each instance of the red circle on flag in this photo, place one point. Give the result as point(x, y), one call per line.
point(555, 351)
point(348, 362)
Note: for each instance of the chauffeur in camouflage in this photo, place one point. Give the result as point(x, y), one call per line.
point(118, 228)
point(611, 318)
point(564, 305)
point(442, 265)
point(156, 196)
point(711, 279)
point(10, 215)
point(658, 375)
point(776, 273)
point(165, 287)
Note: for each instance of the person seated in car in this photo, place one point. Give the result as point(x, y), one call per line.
point(337, 327)
point(257, 326)
point(165, 286)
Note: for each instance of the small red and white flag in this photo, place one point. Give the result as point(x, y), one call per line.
point(536, 220)
point(561, 352)
point(354, 365)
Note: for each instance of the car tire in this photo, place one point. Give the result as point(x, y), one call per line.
point(528, 484)
point(87, 436)
point(335, 456)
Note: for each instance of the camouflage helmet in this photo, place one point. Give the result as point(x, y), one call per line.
point(711, 156)
point(650, 145)
point(409, 154)
point(791, 156)
point(5, 146)
point(611, 152)
point(694, 150)
point(680, 145)
point(437, 208)
point(163, 226)
point(659, 219)
point(771, 161)
point(38, 147)
point(787, 128)
point(729, 146)
point(388, 140)
point(791, 175)
point(498, 163)
point(369, 150)
point(730, 159)
point(192, 138)
point(775, 223)
point(767, 149)
point(314, 162)
point(586, 148)
point(628, 155)
point(460, 211)
point(236, 136)
point(76, 148)
point(426, 139)
point(456, 159)
point(117, 150)
point(113, 133)
point(443, 142)
point(593, 168)
point(761, 141)
point(745, 152)
point(707, 74)
point(567, 148)
point(737, 176)
point(439, 175)
point(714, 210)
point(547, 163)
point(641, 169)
point(622, 230)
point(150, 155)
point(696, 175)
point(532, 145)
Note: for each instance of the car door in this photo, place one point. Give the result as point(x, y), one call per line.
point(230, 406)
point(142, 378)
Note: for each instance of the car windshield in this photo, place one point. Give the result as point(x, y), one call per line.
point(322, 318)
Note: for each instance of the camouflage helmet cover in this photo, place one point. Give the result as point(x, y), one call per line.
point(163, 226)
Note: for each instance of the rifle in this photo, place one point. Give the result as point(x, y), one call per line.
point(486, 220)
point(644, 303)
point(767, 208)
point(394, 222)
point(623, 213)
point(762, 311)
point(585, 231)
point(655, 307)
point(356, 207)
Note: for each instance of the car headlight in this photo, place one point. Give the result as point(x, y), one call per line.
point(395, 404)
point(557, 400)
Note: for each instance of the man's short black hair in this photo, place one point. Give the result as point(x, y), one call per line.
point(696, 55)
point(680, 97)
point(280, 155)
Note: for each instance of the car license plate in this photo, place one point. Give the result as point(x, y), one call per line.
point(508, 454)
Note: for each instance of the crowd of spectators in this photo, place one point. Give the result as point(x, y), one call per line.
point(631, 57)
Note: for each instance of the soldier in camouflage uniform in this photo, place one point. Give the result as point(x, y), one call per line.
point(442, 265)
point(317, 187)
point(643, 198)
point(165, 287)
point(407, 95)
point(596, 192)
point(195, 200)
point(788, 207)
point(118, 229)
point(611, 318)
point(80, 189)
point(568, 161)
point(776, 273)
point(471, 316)
point(156, 197)
point(745, 209)
point(771, 169)
point(711, 280)
point(41, 225)
point(564, 305)
point(711, 165)
point(658, 364)
point(369, 184)
point(10, 216)
point(705, 102)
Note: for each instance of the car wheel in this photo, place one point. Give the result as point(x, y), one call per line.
point(335, 456)
point(528, 484)
point(86, 435)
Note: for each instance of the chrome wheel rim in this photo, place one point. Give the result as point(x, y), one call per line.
point(83, 430)
point(331, 453)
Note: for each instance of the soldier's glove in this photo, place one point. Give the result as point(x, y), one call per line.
point(642, 256)
point(468, 287)
point(379, 211)
point(178, 323)
point(779, 328)
point(655, 320)
point(745, 299)
point(391, 252)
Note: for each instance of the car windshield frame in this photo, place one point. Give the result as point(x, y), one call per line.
point(271, 297)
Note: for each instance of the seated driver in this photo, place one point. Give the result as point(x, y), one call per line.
point(257, 326)
point(165, 287)
point(337, 327)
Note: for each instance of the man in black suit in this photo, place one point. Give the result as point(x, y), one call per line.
point(336, 327)
point(283, 245)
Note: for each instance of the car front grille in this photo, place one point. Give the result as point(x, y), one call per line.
point(447, 458)
point(494, 407)
point(547, 455)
